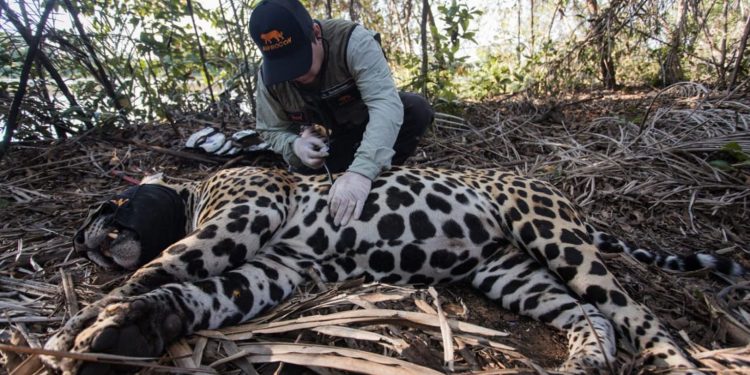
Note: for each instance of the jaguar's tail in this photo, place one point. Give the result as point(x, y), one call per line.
point(607, 243)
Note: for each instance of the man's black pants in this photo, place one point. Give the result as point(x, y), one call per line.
point(418, 115)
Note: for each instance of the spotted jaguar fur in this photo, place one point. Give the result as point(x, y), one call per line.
point(253, 231)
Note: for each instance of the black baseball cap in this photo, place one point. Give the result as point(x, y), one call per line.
point(282, 30)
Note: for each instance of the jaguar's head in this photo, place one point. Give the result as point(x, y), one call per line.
point(132, 228)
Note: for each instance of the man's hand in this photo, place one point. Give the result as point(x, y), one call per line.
point(310, 149)
point(347, 197)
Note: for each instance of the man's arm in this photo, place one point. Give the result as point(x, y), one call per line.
point(368, 66)
point(274, 126)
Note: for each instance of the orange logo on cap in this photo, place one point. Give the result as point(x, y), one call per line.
point(274, 39)
point(272, 36)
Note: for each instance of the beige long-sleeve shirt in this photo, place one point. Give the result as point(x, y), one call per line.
point(371, 72)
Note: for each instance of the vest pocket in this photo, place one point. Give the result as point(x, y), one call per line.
point(346, 105)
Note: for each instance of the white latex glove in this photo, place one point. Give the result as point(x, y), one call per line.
point(310, 149)
point(347, 197)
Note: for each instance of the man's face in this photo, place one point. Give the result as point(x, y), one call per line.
point(317, 60)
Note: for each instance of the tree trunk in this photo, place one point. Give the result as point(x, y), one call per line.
point(393, 19)
point(423, 27)
point(723, 52)
point(41, 86)
point(202, 55)
point(353, 15)
point(740, 52)
point(435, 36)
point(100, 74)
point(518, 34)
point(531, 27)
point(671, 67)
point(404, 25)
point(251, 79)
point(44, 60)
point(15, 106)
point(602, 41)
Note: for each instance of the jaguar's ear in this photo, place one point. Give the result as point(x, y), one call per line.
point(153, 179)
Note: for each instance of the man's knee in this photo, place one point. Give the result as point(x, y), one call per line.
point(418, 116)
point(418, 113)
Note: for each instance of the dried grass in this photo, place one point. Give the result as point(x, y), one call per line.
point(637, 163)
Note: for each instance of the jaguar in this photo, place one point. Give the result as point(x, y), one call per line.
point(220, 251)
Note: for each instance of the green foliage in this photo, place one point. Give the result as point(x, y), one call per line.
point(447, 63)
point(156, 53)
point(730, 158)
point(495, 74)
point(150, 53)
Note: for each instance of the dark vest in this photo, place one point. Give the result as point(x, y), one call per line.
point(336, 102)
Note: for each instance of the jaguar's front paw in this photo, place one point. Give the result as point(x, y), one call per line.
point(64, 339)
point(137, 328)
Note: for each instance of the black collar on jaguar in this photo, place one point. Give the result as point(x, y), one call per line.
point(151, 214)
